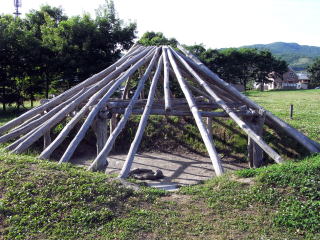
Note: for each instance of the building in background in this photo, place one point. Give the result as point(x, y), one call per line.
point(289, 80)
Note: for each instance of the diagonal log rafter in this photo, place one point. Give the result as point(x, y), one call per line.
point(308, 143)
point(92, 98)
point(85, 126)
point(275, 156)
point(142, 124)
point(195, 112)
point(100, 162)
point(62, 97)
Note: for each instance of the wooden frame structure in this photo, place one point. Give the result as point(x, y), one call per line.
point(92, 101)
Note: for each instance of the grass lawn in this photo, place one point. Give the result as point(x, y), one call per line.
point(306, 103)
point(42, 200)
point(13, 112)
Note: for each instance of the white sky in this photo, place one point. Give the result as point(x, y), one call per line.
point(215, 23)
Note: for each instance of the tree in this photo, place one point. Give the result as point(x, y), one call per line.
point(43, 56)
point(90, 45)
point(240, 66)
point(157, 39)
point(14, 41)
point(314, 70)
point(48, 49)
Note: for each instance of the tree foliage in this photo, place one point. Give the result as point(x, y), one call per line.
point(157, 39)
point(314, 70)
point(47, 51)
point(243, 66)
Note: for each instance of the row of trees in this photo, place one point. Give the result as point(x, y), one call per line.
point(47, 51)
point(243, 66)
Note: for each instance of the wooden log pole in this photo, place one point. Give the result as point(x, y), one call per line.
point(87, 123)
point(255, 152)
point(26, 122)
point(209, 125)
point(125, 90)
point(113, 122)
point(200, 92)
point(195, 112)
point(70, 107)
point(51, 122)
point(46, 153)
point(36, 122)
point(182, 113)
point(142, 124)
point(308, 143)
point(46, 139)
point(64, 96)
point(100, 129)
point(274, 155)
point(166, 85)
point(16, 143)
point(101, 160)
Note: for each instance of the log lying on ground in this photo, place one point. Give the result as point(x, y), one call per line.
point(101, 160)
point(275, 156)
point(195, 112)
point(309, 144)
point(85, 126)
point(62, 97)
point(142, 124)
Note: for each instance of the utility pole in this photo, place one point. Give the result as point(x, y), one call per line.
point(17, 4)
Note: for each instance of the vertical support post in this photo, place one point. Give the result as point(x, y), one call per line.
point(46, 140)
point(255, 152)
point(113, 122)
point(100, 128)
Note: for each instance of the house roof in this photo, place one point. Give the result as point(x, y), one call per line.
point(303, 76)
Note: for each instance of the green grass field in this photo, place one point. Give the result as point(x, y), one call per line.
point(43, 200)
point(306, 104)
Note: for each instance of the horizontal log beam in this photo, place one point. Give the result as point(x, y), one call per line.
point(175, 103)
point(181, 113)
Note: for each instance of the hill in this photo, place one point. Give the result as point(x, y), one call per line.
point(299, 57)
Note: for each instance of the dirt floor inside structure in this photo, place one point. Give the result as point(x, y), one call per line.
point(178, 168)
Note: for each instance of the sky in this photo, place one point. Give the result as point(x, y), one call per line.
point(213, 23)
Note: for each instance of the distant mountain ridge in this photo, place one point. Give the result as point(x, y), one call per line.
point(299, 57)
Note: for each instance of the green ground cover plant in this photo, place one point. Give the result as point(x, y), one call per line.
point(306, 104)
point(43, 200)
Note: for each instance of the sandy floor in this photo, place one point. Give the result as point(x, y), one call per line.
point(177, 168)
